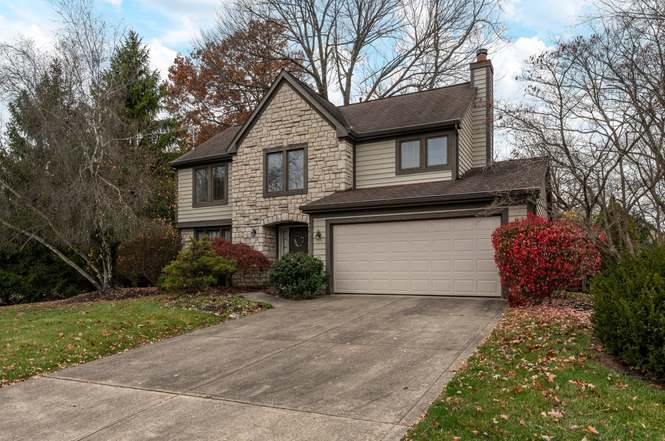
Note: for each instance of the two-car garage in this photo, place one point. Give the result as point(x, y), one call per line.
point(440, 256)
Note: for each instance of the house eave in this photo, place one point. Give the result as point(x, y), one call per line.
point(176, 164)
point(419, 202)
point(417, 128)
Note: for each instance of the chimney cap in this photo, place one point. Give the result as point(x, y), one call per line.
point(481, 54)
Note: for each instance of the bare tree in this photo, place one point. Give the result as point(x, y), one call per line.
point(373, 48)
point(72, 177)
point(596, 107)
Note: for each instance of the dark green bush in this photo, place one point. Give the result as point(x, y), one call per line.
point(35, 274)
point(196, 268)
point(297, 276)
point(629, 310)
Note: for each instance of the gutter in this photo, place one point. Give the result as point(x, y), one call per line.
point(182, 163)
point(415, 201)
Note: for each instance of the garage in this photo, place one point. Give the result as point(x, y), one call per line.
point(450, 256)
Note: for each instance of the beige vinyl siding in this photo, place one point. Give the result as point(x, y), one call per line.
point(319, 245)
point(479, 119)
point(187, 213)
point(375, 167)
point(465, 137)
point(517, 212)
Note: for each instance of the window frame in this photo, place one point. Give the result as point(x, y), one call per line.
point(198, 231)
point(211, 202)
point(285, 171)
point(423, 167)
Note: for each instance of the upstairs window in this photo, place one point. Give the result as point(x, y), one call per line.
point(210, 185)
point(285, 171)
point(423, 153)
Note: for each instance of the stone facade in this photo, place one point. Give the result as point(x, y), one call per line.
point(287, 119)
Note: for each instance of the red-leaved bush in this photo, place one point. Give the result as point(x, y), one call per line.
point(537, 257)
point(247, 259)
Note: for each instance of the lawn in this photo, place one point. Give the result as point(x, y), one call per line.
point(540, 377)
point(39, 338)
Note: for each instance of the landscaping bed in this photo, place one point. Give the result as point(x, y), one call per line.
point(540, 376)
point(43, 337)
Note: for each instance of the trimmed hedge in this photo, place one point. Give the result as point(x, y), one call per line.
point(297, 276)
point(629, 313)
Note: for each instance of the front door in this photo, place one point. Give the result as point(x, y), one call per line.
point(298, 242)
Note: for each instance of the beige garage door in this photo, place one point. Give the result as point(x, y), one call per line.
point(425, 257)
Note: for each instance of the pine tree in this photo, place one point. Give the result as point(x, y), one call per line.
point(135, 89)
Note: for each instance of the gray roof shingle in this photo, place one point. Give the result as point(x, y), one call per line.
point(214, 148)
point(522, 175)
point(411, 110)
point(429, 107)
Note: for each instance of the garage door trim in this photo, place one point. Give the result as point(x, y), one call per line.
point(451, 214)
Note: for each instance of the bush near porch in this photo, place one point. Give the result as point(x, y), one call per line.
point(629, 310)
point(537, 257)
point(251, 265)
point(298, 276)
point(197, 268)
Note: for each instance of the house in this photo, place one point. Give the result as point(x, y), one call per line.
point(397, 195)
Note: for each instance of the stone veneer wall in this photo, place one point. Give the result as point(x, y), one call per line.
point(287, 119)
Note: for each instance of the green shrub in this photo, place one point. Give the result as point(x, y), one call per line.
point(629, 310)
point(196, 268)
point(35, 274)
point(297, 276)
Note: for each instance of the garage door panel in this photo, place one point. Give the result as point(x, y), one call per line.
point(437, 257)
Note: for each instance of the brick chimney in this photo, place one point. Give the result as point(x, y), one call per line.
point(482, 78)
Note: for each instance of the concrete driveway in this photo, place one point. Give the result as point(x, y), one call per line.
point(335, 368)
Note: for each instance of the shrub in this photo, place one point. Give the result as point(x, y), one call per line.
point(139, 262)
point(196, 268)
point(537, 257)
point(629, 310)
point(247, 259)
point(297, 276)
point(35, 274)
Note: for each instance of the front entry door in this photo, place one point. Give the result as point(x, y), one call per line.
point(298, 242)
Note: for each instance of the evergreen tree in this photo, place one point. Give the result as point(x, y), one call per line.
point(135, 90)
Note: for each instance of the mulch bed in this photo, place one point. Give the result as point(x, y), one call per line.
point(112, 294)
point(129, 293)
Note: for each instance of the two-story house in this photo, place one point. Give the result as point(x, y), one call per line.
point(397, 195)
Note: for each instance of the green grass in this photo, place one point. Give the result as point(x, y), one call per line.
point(39, 338)
point(539, 377)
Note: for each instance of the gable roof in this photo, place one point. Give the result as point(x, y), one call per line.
point(519, 176)
point(384, 116)
point(214, 148)
point(409, 111)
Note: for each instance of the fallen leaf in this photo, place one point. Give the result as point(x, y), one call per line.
point(592, 430)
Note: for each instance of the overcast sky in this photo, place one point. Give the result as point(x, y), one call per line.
point(170, 26)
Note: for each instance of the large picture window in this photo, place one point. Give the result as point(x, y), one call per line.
point(285, 170)
point(423, 153)
point(210, 185)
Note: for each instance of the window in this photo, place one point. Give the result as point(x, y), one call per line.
point(410, 154)
point(210, 185)
point(275, 179)
point(437, 151)
point(213, 232)
point(425, 153)
point(286, 171)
